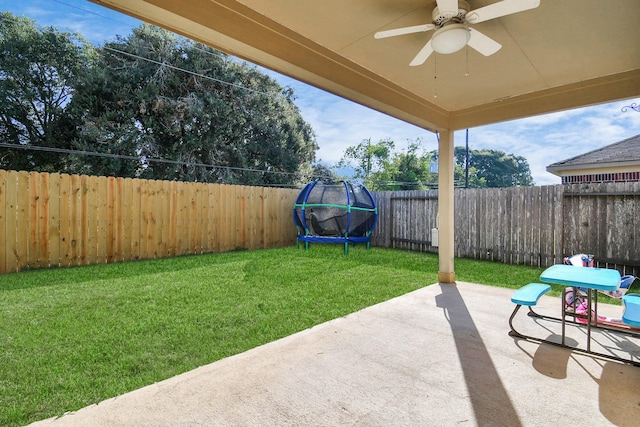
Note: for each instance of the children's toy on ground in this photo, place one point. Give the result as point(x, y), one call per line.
point(576, 298)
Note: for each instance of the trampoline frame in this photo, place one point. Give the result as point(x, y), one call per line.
point(304, 233)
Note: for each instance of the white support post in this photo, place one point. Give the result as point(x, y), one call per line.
point(446, 273)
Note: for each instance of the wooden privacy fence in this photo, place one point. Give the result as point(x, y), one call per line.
point(66, 220)
point(535, 226)
point(405, 219)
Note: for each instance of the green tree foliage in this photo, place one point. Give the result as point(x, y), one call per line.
point(491, 168)
point(501, 169)
point(369, 160)
point(39, 69)
point(222, 113)
point(409, 171)
point(143, 98)
point(380, 167)
point(323, 172)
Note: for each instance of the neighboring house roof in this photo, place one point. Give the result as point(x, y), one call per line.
point(622, 156)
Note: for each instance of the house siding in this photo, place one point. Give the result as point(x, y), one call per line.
point(602, 177)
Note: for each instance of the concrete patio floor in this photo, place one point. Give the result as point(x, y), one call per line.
point(439, 356)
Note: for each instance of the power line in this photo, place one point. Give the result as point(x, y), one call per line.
point(136, 158)
point(193, 73)
point(88, 11)
point(302, 175)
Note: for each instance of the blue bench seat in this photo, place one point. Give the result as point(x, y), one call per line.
point(530, 294)
point(527, 295)
point(631, 315)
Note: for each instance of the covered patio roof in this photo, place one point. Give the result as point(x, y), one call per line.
point(560, 55)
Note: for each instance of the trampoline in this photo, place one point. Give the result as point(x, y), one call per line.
point(334, 212)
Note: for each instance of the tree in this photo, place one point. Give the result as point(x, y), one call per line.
point(323, 172)
point(221, 112)
point(409, 171)
point(367, 159)
point(382, 168)
point(39, 68)
point(491, 168)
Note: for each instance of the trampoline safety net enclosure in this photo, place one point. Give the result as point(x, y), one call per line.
point(334, 212)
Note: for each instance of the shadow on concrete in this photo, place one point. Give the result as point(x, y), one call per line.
point(488, 396)
point(619, 394)
point(551, 360)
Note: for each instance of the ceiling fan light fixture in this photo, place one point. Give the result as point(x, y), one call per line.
point(450, 38)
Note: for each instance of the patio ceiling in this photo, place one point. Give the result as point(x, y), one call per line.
point(561, 55)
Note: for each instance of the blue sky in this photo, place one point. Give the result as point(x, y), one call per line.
point(339, 123)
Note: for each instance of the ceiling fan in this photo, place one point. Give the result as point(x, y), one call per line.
point(451, 22)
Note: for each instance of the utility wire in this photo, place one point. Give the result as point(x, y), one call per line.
point(89, 11)
point(136, 158)
point(193, 73)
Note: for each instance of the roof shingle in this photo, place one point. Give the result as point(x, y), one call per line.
point(627, 150)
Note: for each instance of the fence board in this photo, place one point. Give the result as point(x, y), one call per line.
point(21, 250)
point(111, 229)
point(194, 225)
point(247, 227)
point(214, 217)
point(125, 188)
point(5, 244)
point(91, 205)
point(482, 220)
point(164, 216)
point(155, 232)
point(33, 250)
point(143, 214)
point(53, 221)
point(225, 217)
point(171, 220)
point(183, 218)
point(43, 221)
point(4, 210)
point(136, 218)
point(102, 219)
point(64, 219)
point(157, 219)
point(254, 217)
point(473, 217)
point(145, 221)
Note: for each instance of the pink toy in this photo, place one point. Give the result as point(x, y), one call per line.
point(576, 298)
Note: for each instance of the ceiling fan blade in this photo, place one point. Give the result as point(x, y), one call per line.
point(449, 7)
point(404, 30)
point(483, 44)
point(501, 8)
point(423, 55)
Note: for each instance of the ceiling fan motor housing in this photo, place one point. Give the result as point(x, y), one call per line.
point(441, 18)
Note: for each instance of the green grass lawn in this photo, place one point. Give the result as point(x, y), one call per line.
point(76, 336)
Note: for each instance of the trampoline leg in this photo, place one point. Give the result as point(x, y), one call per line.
point(306, 246)
point(346, 248)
